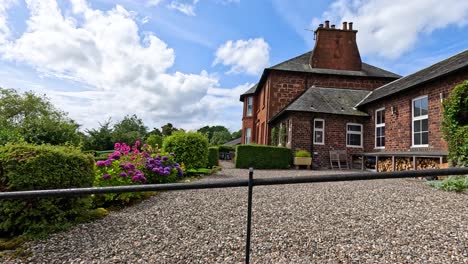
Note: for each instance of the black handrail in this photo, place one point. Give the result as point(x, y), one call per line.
point(250, 183)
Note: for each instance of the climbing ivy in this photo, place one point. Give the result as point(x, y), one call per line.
point(455, 124)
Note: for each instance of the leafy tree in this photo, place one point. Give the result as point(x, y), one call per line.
point(168, 129)
point(236, 134)
point(155, 131)
point(220, 137)
point(129, 130)
point(190, 148)
point(35, 119)
point(101, 138)
point(209, 131)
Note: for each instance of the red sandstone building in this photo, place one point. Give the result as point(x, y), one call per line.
point(328, 99)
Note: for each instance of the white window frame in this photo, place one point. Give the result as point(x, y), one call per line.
point(417, 119)
point(355, 133)
point(249, 111)
point(377, 126)
point(319, 130)
point(248, 139)
point(288, 142)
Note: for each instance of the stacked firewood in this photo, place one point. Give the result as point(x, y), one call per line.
point(427, 163)
point(384, 164)
point(402, 164)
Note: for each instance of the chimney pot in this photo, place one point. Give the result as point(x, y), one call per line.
point(333, 26)
point(350, 25)
point(327, 24)
point(320, 25)
point(345, 26)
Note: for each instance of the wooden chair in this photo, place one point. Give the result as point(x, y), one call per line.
point(338, 159)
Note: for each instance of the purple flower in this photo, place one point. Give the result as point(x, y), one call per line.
point(106, 176)
point(100, 163)
point(172, 154)
point(164, 158)
point(123, 174)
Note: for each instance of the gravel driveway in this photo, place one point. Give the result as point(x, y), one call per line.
point(382, 221)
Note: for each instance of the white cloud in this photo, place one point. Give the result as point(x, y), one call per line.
point(186, 8)
point(4, 29)
point(249, 56)
point(389, 28)
point(122, 73)
point(154, 2)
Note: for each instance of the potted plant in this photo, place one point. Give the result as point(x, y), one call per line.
point(302, 157)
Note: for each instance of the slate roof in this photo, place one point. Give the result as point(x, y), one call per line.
point(301, 64)
point(327, 100)
point(447, 66)
point(233, 142)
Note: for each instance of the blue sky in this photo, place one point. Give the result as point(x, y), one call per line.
point(187, 62)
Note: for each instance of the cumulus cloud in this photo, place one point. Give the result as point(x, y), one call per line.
point(121, 72)
point(244, 56)
point(389, 28)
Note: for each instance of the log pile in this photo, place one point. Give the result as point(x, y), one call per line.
point(427, 163)
point(403, 164)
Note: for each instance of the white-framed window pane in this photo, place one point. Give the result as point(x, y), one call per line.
point(420, 121)
point(354, 139)
point(318, 136)
point(354, 128)
point(248, 135)
point(420, 107)
point(249, 105)
point(318, 124)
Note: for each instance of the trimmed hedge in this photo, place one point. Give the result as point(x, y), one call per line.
point(225, 149)
point(213, 156)
point(28, 167)
point(262, 157)
point(190, 148)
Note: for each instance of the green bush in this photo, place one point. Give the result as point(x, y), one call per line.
point(452, 183)
point(27, 167)
point(455, 130)
point(302, 154)
point(262, 157)
point(155, 140)
point(190, 148)
point(213, 156)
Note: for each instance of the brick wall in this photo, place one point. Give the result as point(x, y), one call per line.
point(334, 134)
point(398, 127)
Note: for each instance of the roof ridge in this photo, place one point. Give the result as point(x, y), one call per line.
point(272, 67)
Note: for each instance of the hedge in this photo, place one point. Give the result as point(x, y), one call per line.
point(213, 156)
point(225, 149)
point(190, 148)
point(262, 157)
point(28, 167)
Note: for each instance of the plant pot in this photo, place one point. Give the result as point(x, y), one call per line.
point(304, 161)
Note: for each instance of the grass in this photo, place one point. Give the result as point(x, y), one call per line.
point(452, 183)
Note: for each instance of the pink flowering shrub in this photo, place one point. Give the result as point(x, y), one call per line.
point(131, 165)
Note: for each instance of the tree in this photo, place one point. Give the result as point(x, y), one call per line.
point(168, 129)
point(236, 134)
point(220, 137)
point(154, 140)
point(129, 130)
point(155, 131)
point(35, 119)
point(101, 138)
point(209, 131)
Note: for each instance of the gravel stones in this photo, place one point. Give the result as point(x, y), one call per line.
point(381, 221)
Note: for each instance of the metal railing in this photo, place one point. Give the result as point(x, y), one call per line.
point(250, 183)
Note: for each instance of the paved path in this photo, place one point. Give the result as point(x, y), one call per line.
point(393, 221)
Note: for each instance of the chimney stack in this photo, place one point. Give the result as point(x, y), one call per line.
point(336, 48)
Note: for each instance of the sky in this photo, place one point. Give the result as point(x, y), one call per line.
point(187, 61)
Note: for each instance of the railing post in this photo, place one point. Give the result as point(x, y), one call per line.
point(249, 217)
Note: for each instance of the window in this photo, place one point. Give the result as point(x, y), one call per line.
point(420, 122)
point(354, 135)
point(380, 128)
point(248, 135)
point(249, 105)
point(319, 127)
